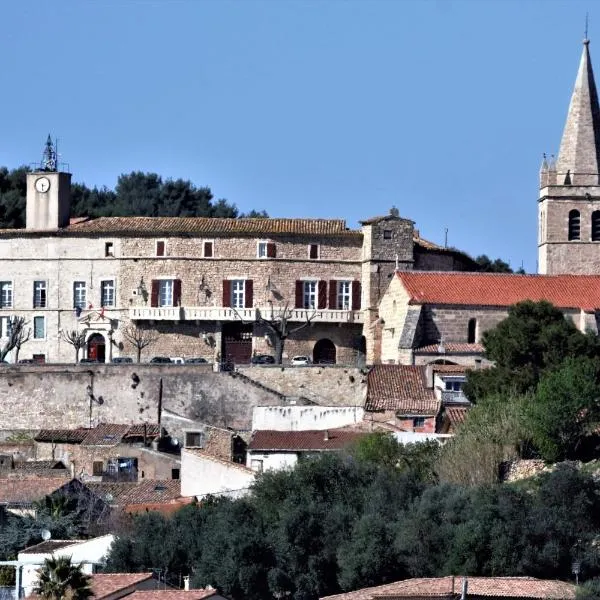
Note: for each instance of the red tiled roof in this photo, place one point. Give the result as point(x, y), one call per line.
point(26, 491)
point(149, 491)
point(173, 594)
point(456, 416)
point(164, 508)
point(451, 348)
point(62, 436)
point(401, 388)
point(105, 434)
point(107, 584)
point(450, 587)
point(331, 439)
point(151, 430)
point(501, 289)
point(229, 463)
point(450, 369)
point(212, 226)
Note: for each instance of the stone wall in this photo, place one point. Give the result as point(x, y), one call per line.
point(327, 386)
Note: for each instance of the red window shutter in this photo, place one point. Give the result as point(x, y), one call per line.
point(177, 292)
point(154, 293)
point(271, 250)
point(333, 303)
point(299, 294)
point(356, 292)
point(248, 293)
point(226, 292)
point(160, 248)
point(322, 294)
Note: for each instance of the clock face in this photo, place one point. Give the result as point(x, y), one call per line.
point(42, 184)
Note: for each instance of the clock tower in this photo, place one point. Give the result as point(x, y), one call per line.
point(48, 193)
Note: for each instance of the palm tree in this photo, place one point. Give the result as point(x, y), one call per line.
point(59, 579)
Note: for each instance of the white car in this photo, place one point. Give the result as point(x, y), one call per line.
point(301, 360)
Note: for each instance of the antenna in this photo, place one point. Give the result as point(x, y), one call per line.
point(586, 26)
point(445, 237)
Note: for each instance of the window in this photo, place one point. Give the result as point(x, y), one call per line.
point(262, 250)
point(344, 295)
point(574, 225)
point(174, 473)
point(39, 294)
point(418, 422)
point(194, 439)
point(313, 251)
point(4, 327)
point(160, 248)
point(596, 226)
point(109, 249)
point(107, 293)
point(310, 294)
point(6, 294)
point(472, 331)
point(79, 294)
point(387, 234)
point(207, 249)
point(97, 468)
point(256, 465)
point(165, 292)
point(453, 385)
point(238, 298)
point(39, 358)
point(39, 328)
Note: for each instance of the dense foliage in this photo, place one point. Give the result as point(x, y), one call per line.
point(60, 579)
point(339, 523)
point(136, 194)
point(487, 265)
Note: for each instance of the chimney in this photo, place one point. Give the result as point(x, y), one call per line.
point(326, 436)
point(186, 583)
point(465, 585)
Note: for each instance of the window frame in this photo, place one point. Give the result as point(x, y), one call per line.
point(82, 286)
point(238, 296)
point(341, 294)
point(418, 422)
point(211, 243)
point(109, 249)
point(44, 330)
point(259, 245)
point(308, 294)
point(388, 234)
point(574, 225)
point(114, 293)
point(8, 287)
point(163, 285)
point(318, 251)
point(164, 248)
point(40, 304)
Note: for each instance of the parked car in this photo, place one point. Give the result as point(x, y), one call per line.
point(122, 359)
point(195, 361)
point(161, 360)
point(301, 360)
point(27, 361)
point(88, 360)
point(263, 359)
point(177, 360)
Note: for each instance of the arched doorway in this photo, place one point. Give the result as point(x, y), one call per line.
point(96, 348)
point(324, 352)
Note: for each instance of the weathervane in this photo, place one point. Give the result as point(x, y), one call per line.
point(50, 156)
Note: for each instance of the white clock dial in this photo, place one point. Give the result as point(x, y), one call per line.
point(42, 185)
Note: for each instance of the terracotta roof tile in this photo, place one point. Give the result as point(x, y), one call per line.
point(450, 369)
point(173, 594)
point(151, 430)
point(456, 416)
point(40, 465)
point(400, 388)
point(105, 434)
point(450, 587)
point(149, 491)
point(211, 226)
point(451, 348)
point(164, 508)
point(26, 491)
point(107, 584)
point(501, 289)
point(203, 454)
point(61, 436)
point(331, 439)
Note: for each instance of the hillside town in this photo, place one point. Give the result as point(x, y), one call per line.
point(255, 408)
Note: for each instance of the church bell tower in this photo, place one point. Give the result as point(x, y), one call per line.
point(48, 193)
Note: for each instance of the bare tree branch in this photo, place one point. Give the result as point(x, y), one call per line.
point(17, 336)
point(139, 338)
point(76, 339)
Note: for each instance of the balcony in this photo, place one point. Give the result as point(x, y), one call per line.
point(223, 313)
point(454, 397)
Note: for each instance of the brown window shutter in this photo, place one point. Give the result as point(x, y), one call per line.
point(248, 293)
point(314, 251)
point(356, 295)
point(271, 250)
point(226, 292)
point(154, 293)
point(322, 294)
point(177, 292)
point(160, 248)
point(208, 249)
point(299, 294)
point(333, 303)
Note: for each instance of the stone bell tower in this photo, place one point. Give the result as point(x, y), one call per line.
point(48, 193)
point(569, 202)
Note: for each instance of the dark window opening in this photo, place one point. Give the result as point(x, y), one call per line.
point(419, 422)
point(574, 225)
point(208, 249)
point(109, 249)
point(387, 234)
point(97, 468)
point(596, 226)
point(160, 248)
point(174, 473)
point(471, 331)
point(313, 251)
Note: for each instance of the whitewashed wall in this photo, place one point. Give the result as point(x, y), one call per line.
point(305, 418)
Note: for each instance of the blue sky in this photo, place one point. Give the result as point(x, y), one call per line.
point(322, 108)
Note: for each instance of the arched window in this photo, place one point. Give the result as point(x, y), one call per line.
point(574, 225)
point(596, 226)
point(471, 331)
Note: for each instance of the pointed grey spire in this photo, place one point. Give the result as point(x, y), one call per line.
point(579, 157)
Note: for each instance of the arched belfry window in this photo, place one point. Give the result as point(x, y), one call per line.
point(471, 331)
point(596, 226)
point(574, 225)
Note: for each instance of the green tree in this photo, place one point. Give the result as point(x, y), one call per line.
point(487, 265)
point(59, 579)
point(533, 338)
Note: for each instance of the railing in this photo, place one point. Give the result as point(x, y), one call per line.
point(223, 313)
point(452, 397)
